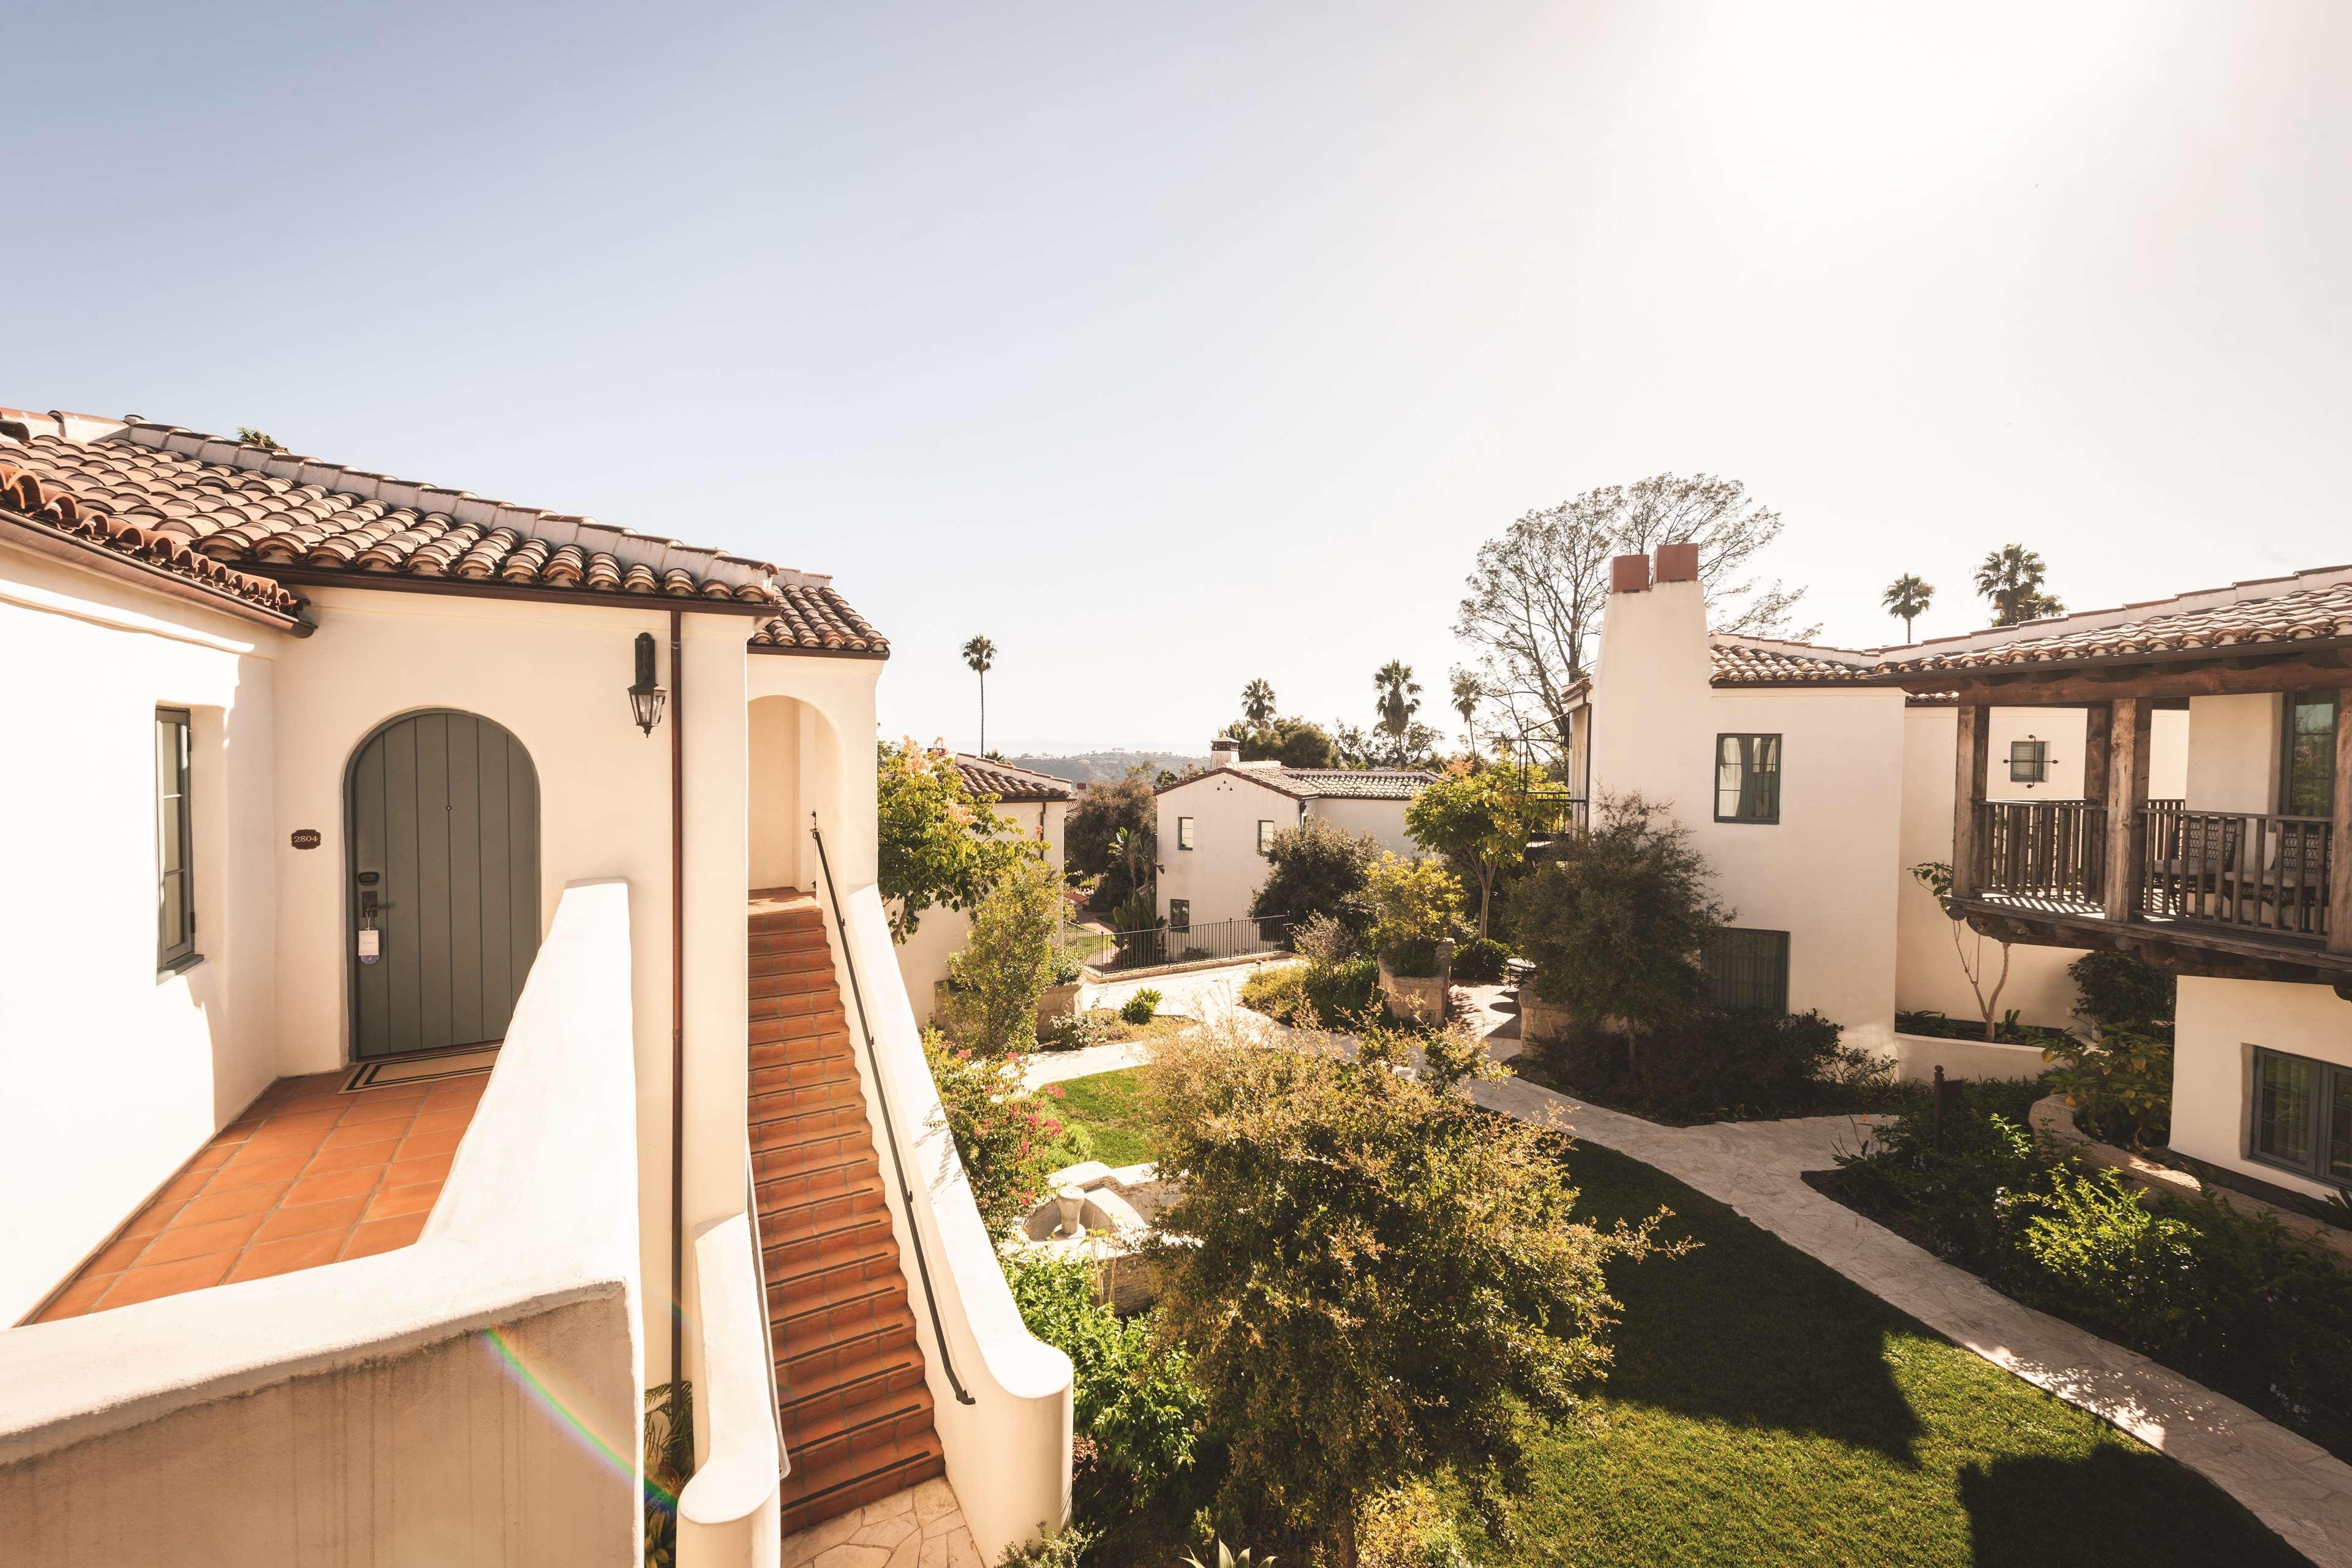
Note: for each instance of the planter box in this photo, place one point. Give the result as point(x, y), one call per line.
point(1917, 1057)
point(1415, 997)
point(1058, 1002)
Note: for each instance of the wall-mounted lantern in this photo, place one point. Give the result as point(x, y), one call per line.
point(646, 697)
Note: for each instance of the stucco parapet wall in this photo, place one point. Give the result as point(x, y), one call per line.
point(2053, 1120)
point(540, 1213)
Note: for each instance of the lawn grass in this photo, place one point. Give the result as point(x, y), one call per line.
point(1763, 1409)
point(1108, 1106)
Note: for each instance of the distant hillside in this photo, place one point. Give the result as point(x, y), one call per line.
point(1088, 766)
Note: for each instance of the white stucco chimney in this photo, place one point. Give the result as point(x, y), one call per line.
point(1225, 752)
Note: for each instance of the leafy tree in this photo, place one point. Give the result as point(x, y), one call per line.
point(937, 842)
point(1615, 924)
point(1257, 701)
point(1373, 1280)
point(252, 437)
point(1293, 742)
point(981, 653)
point(1908, 597)
point(1090, 832)
point(1474, 819)
point(1416, 904)
point(1537, 593)
point(995, 983)
point(1316, 868)
point(2012, 578)
point(1132, 1398)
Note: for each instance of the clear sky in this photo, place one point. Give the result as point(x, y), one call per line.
point(1170, 346)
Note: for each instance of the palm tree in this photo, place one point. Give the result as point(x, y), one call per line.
point(980, 653)
point(1466, 693)
point(1257, 701)
point(1400, 697)
point(1907, 596)
point(2012, 578)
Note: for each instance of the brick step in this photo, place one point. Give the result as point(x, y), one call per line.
point(774, 1031)
point(812, 1495)
point(843, 1271)
point(809, 958)
point(788, 922)
point(852, 1305)
point(777, 943)
point(785, 1103)
point(816, 1156)
point(821, 1045)
point(817, 1122)
point(776, 1077)
point(884, 1371)
point(822, 1355)
point(850, 1234)
point(796, 1005)
point(892, 1412)
point(790, 982)
point(790, 1217)
point(817, 1177)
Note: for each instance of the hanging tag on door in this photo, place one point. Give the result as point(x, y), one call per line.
point(370, 950)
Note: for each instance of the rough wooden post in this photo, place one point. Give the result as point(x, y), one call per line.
point(1971, 758)
point(2339, 858)
point(2126, 855)
point(2097, 724)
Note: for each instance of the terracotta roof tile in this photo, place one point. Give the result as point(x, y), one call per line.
point(252, 508)
point(984, 775)
point(1315, 784)
point(2301, 608)
point(30, 502)
point(1753, 661)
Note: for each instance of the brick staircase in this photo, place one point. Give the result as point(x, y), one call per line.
point(858, 1417)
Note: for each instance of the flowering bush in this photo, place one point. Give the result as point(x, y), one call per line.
point(1006, 1134)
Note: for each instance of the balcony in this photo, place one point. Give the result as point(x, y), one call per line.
point(2237, 893)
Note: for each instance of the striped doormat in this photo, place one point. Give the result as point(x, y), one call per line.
point(421, 1068)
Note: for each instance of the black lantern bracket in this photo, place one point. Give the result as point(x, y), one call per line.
point(645, 699)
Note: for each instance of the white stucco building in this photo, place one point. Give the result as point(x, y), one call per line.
point(1213, 826)
point(2169, 779)
point(445, 994)
point(1032, 806)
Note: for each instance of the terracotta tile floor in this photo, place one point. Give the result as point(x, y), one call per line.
point(307, 1175)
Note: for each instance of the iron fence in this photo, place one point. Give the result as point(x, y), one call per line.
point(1200, 941)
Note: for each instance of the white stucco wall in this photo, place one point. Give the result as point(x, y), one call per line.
point(941, 933)
point(1383, 819)
point(2233, 752)
point(2218, 1025)
point(1222, 871)
point(119, 1073)
point(1826, 872)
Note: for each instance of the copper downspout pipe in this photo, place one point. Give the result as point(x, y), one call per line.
point(676, 1003)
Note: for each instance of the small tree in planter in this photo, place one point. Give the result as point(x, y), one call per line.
point(995, 983)
point(1474, 819)
point(1614, 926)
point(1416, 906)
point(1937, 878)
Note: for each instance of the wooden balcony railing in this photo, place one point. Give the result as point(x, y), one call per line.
point(2258, 873)
point(2041, 852)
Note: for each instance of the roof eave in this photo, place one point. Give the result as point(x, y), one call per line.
point(40, 539)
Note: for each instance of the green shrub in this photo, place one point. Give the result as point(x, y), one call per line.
point(1064, 1548)
point(1316, 868)
point(1481, 961)
point(1315, 995)
point(1414, 958)
point(995, 983)
point(1006, 1134)
point(2121, 1084)
point(1141, 1006)
point(1279, 991)
point(2105, 1252)
point(669, 1464)
point(1416, 904)
point(1409, 1527)
point(1067, 968)
point(2117, 988)
point(1742, 1063)
point(1132, 1397)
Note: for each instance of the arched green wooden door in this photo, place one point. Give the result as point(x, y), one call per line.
point(442, 820)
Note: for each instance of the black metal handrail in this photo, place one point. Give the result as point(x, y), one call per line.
point(890, 1123)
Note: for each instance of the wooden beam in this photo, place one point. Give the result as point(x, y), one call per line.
point(2096, 721)
point(2339, 859)
point(2060, 687)
point(1971, 759)
point(2127, 767)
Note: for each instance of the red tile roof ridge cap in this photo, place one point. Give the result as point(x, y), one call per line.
point(1790, 644)
point(2190, 603)
point(660, 553)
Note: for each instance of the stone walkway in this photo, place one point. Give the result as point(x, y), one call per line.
point(921, 1527)
point(2289, 1483)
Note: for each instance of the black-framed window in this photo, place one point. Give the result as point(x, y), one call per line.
point(1180, 914)
point(1264, 836)
point(1748, 778)
point(175, 892)
point(2028, 761)
point(2302, 1116)
point(2307, 760)
point(1747, 971)
point(1183, 833)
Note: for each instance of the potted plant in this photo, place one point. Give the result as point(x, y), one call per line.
point(1416, 906)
